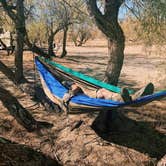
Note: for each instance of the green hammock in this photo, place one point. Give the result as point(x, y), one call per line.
point(84, 77)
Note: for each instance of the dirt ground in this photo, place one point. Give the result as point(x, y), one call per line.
point(137, 136)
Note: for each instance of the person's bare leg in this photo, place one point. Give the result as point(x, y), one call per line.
point(106, 94)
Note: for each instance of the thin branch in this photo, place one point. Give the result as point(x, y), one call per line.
point(8, 10)
point(75, 7)
point(132, 11)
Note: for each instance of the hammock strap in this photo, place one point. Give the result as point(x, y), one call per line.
point(66, 100)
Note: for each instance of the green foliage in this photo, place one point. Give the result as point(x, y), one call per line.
point(37, 32)
point(80, 34)
point(81, 30)
point(151, 20)
point(5, 22)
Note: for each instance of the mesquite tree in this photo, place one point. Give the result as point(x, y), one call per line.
point(56, 17)
point(150, 13)
point(16, 12)
point(107, 22)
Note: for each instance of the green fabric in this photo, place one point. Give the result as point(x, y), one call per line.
point(84, 77)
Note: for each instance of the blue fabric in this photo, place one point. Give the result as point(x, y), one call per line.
point(59, 90)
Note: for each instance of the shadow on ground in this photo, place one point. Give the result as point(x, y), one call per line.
point(138, 135)
point(17, 154)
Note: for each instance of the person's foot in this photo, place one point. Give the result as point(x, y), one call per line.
point(67, 97)
point(147, 90)
point(125, 95)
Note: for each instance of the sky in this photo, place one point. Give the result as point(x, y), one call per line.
point(122, 13)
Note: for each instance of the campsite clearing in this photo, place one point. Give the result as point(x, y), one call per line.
point(138, 137)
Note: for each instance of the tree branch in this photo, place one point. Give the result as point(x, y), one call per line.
point(8, 9)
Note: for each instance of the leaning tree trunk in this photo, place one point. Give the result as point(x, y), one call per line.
point(108, 24)
point(20, 34)
point(64, 52)
point(19, 76)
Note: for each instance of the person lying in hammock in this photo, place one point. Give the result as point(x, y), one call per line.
point(124, 96)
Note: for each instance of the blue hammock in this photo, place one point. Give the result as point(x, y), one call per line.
point(58, 90)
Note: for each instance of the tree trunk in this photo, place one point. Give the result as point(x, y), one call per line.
point(83, 36)
point(108, 24)
point(64, 52)
point(20, 33)
point(50, 45)
point(19, 76)
point(115, 62)
point(34, 48)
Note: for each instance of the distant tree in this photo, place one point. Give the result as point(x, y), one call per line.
point(150, 20)
point(81, 31)
point(76, 14)
point(67, 20)
point(37, 32)
point(56, 17)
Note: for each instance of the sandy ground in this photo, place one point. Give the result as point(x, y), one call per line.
point(137, 137)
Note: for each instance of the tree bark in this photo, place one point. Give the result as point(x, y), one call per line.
point(18, 18)
point(50, 45)
point(20, 33)
point(22, 116)
point(108, 24)
point(64, 52)
point(34, 48)
point(115, 62)
point(19, 75)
